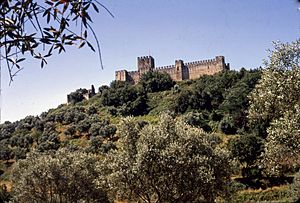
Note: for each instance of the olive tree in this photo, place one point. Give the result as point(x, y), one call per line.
point(57, 177)
point(275, 101)
point(167, 162)
point(278, 89)
point(36, 28)
point(282, 148)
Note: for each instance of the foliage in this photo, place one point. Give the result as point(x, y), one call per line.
point(154, 81)
point(227, 125)
point(83, 126)
point(167, 162)
point(6, 153)
point(246, 149)
point(48, 141)
point(119, 95)
point(294, 188)
point(182, 101)
point(275, 103)
point(282, 151)
point(39, 27)
point(5, 196)
point(6, 130)
point(57, 177)
point(198, 119)
point(107, 130)
point(278, 89)
point(127, 99)
point(91, 110)
point(70, 130)
point(276, 194)
point(96, 143)
point(223, 95)
point(77, 96)
point(20, 153)
point(135, 108)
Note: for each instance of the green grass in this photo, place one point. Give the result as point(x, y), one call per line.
point(160, 102)
point(274, 194)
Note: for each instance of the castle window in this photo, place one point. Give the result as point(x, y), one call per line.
point(207, 67)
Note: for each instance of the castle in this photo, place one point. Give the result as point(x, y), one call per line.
point(178, 72)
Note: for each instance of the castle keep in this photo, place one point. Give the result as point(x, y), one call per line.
point(178, 72)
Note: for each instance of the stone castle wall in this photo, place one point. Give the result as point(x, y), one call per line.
point(178, 72)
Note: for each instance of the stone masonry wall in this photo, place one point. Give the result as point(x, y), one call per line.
point(178, 72)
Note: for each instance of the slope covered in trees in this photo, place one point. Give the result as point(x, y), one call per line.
point(211, 137)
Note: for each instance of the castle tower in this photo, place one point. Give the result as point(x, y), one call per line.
point(221, 65)
point(179, 69)
point(121, 75)
point(145, 64)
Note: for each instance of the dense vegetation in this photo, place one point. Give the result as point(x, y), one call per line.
point(217, 138)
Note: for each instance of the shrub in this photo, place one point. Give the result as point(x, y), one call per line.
point(246, 148)
point(6, 153)
point(57, 177)
point(227, 125)
point(77, 96)
point(154, 81)
point(107, 131)
point(94, 129)
point(70, 130)
point(83, 126)
point(198, 119)
point(48, 141)
point(167, 162)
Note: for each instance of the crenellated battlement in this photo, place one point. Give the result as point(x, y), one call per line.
point(179, 71)
point(165, 67)
point(144, 57)
point(203, 62)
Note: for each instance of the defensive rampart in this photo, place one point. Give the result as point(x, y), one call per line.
point(178, 72)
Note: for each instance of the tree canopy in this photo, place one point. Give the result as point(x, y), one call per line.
point(275, 101)
point(168, 162)
point(60, 176)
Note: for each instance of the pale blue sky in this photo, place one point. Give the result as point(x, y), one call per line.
point(190, 30)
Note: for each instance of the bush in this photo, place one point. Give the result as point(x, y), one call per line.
point(227, 125)
point(6, 130)
point(57, 177)
point(198, 119)
point(135, 108)
point(48, 141)
point(20, 153)
point(77, 96)
point(107, 131)
point(167, 162)
point(182, 103)
point(246, 148)
point(6, 153)
point(70, 130)
point(91, 110)
point(83, 126)
point(118, 96)
point(94, 129)
point(154, 81)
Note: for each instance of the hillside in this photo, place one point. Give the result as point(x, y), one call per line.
point(217, 104)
